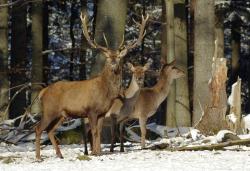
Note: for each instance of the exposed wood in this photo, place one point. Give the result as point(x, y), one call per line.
point(234, 101)
point(214, 114)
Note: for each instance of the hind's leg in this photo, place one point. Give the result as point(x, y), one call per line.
point(52, 137)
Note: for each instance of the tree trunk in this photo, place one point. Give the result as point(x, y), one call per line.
point(171, 108)
point(74, 15)
point(203, 53)
point(235, 56)
point(37, 48)
point(4, 80)
point(45, 41)
point(110, 20)
point(219, 33)
point(18, 58)
point(84, 46)
point(183, 115)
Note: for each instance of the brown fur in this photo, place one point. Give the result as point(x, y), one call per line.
point(150, 98)
point(90, 98)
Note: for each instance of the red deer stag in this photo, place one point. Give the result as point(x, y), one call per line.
point(149, 100)
point(89, 98)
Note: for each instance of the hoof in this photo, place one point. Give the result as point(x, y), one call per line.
point(122, 150)
point(39, 159)
point(59, 156)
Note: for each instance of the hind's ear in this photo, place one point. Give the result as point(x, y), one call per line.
point(148, 64)
point(131, 66)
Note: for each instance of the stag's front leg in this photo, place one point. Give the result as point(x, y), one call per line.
point(93, 127)
point(142, 122)
point(98, 138)
point(113, 129)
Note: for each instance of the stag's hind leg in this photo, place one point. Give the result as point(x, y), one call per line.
point(52, 137)
point(41, 126)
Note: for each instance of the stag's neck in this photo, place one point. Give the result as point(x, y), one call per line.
point(163, 86)
point(132, 89)
point(112, 79)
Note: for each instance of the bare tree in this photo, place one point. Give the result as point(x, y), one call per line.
point(37, 48)
point(183, 115)
point(203, 52)
point(18, 60)
point(4, 81)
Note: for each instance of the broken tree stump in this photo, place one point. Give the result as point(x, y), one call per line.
point(234, 100)
point(214, 113)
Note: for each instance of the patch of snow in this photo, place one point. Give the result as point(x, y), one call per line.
point(196, 134)
point(232, 118)
point(132, 159)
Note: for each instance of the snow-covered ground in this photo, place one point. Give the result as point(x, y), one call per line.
point(22, 158)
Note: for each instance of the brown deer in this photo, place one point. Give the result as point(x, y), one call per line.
point(149, 100)
point(89, 98)
point(125, 104)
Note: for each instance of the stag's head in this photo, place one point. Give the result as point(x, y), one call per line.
point(171, 70)
point(139, 72)
point(113, 57)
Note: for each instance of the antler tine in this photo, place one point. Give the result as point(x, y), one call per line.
point(141, 33)
point(93, 44)
point(121, 44)
point(105, 39)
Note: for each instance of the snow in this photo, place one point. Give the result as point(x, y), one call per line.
point(132, 159)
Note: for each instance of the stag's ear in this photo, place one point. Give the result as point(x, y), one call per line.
point(131, 67)
point(106, 54)
point(123, 53)
point(172, 63)
point(147, 65)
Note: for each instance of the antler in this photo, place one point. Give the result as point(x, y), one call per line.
point(92, 43)
point(141, 34)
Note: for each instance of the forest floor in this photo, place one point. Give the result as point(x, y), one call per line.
point(22, 158)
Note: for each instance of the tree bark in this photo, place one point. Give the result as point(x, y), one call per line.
point(45, 41)
point(171, 108)
point(18, 58)
point(84, 46)
point(235, 55)
point(37, 48)
point(73, 17)
point(110, 19)
point(203, 53)
point(4, 79)
point(183, 115)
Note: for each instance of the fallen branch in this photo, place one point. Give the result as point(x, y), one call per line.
point(211, 147)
